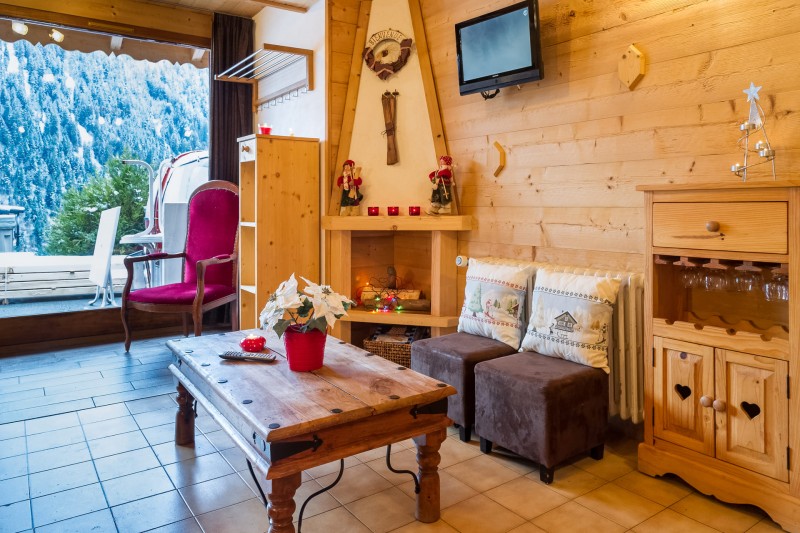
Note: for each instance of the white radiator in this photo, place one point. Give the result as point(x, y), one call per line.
point(626, 346)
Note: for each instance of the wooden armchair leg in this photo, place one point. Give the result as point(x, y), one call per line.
point(185, 319)
point(197, 318)
point(235, 315)
point(124, 310)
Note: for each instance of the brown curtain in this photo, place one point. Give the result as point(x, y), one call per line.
point(231, 113)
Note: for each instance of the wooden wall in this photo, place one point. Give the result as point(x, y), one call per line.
point(579, 141)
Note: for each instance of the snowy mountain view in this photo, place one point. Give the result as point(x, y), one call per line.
point(66, 118)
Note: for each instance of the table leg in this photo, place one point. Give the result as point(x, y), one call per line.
point(184, 418)
point(428, 507)
point(281, 503)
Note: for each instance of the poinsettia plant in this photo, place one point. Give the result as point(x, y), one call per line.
point(316, 307)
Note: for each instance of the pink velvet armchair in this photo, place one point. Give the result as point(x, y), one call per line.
point(209, 263)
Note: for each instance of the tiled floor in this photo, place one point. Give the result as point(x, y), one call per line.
point(86, 445)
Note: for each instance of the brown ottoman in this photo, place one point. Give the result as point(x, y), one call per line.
point(452, 359)
point(542, 408)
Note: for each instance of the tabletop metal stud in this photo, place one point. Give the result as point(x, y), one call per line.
point(441, 385)
point(247, 401)
point(342, 342)
point(223, 380)
point(188, 351)
point(337, 410)
point(368, 354)
point(394, 397)
point(274, 425)
point(401, 368)
point(205, 364)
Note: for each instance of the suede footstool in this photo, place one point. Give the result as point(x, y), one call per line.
point(542, 408)
point(452, 359)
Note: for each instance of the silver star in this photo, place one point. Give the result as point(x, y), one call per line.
point(752, 92)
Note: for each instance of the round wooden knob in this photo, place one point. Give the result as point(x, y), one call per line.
point(712, 226)
point(706, 401)
point(246, 148)
point(719, 406)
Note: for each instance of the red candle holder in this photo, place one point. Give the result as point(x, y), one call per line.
point(413, 210)
point(253, 343)
point(393, 210)
point(373, 211)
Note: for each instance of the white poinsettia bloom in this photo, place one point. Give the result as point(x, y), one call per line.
point(287, 296)
point(270, 315)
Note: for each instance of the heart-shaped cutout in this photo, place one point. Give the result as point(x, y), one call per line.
point(752, 410)
point(684, 391)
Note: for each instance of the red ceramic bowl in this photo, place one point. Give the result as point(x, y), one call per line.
point(253, 343)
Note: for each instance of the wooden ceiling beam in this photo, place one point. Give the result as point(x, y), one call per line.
point(281, 5)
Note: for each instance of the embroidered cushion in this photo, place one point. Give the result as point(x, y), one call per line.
point(571, 317)
point(494, 300)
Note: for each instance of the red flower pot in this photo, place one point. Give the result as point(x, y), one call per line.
point(304, 351)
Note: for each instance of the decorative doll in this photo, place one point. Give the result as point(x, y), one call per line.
point(350, 182)
point(441, 182)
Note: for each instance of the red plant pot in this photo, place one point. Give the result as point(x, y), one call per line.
point(304, 351)
point(253, 343)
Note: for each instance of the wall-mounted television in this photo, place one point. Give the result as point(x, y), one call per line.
point(499, 49)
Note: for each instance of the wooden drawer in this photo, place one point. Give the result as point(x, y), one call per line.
point(735, 226)
point(247, 150)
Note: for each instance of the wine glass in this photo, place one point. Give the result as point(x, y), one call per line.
point(746, 280)
point(777, 288)
point(716, 280)
point(691, 277)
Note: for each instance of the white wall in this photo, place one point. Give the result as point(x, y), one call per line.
point(304, 115)
point(406, 182)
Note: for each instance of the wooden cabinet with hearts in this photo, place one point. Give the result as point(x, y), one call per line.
point(722, 341)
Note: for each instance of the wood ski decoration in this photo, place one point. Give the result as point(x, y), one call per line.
point(389, 102)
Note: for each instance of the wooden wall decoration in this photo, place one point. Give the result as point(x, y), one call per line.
point(631, 67)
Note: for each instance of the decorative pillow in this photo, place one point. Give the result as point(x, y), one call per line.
point(494, 300)
point(571, 317)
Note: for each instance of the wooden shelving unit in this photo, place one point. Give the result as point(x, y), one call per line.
point(721, 361)
point(279, 217)
point(423, 251)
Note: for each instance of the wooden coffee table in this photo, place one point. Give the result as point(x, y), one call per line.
point(286, 422)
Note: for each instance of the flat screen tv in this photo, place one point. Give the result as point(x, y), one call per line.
point(499, 49)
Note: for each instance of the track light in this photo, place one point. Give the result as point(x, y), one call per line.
point(56, 35)
point(19, 27)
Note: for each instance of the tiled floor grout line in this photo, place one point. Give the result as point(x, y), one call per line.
point(96, 473)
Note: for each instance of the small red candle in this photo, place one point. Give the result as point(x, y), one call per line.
point(393, 210)
point(413, 210)
point(373, 211)
point(253, 343)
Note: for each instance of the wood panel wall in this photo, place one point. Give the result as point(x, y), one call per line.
point(579, 141)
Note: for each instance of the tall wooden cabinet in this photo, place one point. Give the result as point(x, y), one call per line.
point(722, 395)
point(279, 217)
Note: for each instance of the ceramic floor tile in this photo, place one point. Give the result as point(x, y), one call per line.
point(58, 479)
point(420, 527)
point(482, 473)
point(67, 504)
point(454, 451)
point(15, 517)
point(126, 463)
point(216, 493)
point(335, 521)
point(384, 511)
point(402, 460)
point(12, 430)
point(150, 513)
point(98, 414)
point(570, 481)
point(237, 459)
point(13, 467)
point(188, 525)
point(357, 482)
point(150, 404)
point(607, 499)
point(14, 490)
point(451, 490)
point(526, 498)
point(136, 486)
point(481, 514)
point(58, 457)
point(249, 516)
point(713, 513)
point(12, 447)
point(575, 518)
point(54, 439)
point(668, 521)
point(96, 522)
point(765, 526)
point(107, 428)
point(514, 462)
point(320, 504)
point(150, 419)
point(198, 469)
point(527, 527)
point(663, 490)
point(377, 453)
point(333, 466)
point(610, 467)
point(51, 423)
point(124, 442)
point(169, 452)
point(206, 424)
point(160, 434)
point(220, 440)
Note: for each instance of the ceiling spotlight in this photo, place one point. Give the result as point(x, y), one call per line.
point(56, 35)
point(19, 27)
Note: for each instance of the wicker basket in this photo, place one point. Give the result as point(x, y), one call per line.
point(396, 352)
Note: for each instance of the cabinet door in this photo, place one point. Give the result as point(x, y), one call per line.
point(753, 420)
point(683, 374)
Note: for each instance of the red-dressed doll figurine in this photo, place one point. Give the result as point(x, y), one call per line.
point(350, 182)
point(442, 181)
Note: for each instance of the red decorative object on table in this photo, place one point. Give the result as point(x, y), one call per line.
point(413, 210)
point(373, 211)
point(393, 210)
point(253, 343)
